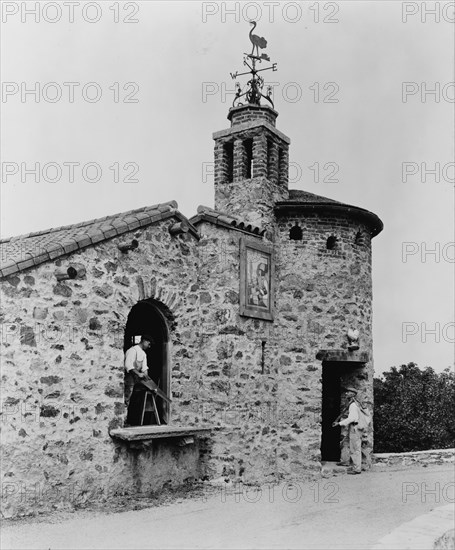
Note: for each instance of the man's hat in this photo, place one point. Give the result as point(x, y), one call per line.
point(349, 388)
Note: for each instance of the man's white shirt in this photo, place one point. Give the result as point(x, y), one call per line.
point(135, 358)
point(353, 415)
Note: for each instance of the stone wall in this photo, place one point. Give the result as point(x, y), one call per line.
point(417, 458)
point(236, 390)
point(260, 380)
point(62, 371)
point(249, 200)
point(320, 294)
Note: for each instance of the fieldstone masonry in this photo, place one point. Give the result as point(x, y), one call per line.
point(62, 375)
point(416, 458)
point(256, 383)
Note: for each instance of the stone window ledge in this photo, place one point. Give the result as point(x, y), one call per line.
point(148, 433)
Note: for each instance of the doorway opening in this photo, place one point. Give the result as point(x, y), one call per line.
point(331, 403)
point(147, 317)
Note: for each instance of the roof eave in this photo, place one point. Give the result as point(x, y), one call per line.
point(375, 223)
point(221, 219)
point(83, 241)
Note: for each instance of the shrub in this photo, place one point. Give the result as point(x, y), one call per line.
point(414, 410)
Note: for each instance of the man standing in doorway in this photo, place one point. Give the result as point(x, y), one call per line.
point(354, 433)
point(136, 368)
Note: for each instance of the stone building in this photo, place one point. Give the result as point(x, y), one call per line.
point(249, 304)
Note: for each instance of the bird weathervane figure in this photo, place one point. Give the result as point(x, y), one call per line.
point(253, 92)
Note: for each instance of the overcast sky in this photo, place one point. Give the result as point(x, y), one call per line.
point(364, 90)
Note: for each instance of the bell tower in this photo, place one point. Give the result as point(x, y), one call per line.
point(252, 156)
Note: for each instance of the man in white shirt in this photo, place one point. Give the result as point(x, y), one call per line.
point(136, 368)
point(354, 433)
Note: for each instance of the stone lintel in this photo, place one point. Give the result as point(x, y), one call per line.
point(146, 433)
point(248, 126)
point(343, 356)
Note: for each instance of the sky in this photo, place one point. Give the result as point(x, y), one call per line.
point(113, 104)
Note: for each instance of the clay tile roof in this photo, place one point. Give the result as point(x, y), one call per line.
point(301, 201)
point(296, 195)
point(24, 251)
point(204, 213)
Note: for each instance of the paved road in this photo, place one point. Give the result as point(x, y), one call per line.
point(340, 512)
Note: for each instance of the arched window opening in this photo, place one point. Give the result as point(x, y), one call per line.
point(248, 145)
point(229, 160)
point(270, 158)
point(147, 318)
point(332, 242)
point(281, 165)
point(295, 234)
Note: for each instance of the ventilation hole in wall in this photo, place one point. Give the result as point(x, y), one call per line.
point(332, 242)
point(295, 234)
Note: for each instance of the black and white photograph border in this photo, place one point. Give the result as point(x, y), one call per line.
point(163, 387)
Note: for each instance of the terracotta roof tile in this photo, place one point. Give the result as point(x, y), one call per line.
point(41, 258)
point(56, 252)
point(298, 195)
point(97, 237)
point(24, 251)
point(133, 223)
point(9, 270)
point(119, 224)
point(221, 218)
point(142, 216)
point(109, 232)
point(24, 264)
point(69, 246)
point(84, 240)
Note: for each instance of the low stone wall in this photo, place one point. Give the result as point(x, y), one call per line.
point(417, 458)
point(159, 465)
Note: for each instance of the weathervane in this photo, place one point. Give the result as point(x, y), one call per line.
point(253, 92)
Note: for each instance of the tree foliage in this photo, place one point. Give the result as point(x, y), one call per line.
point(414, 410)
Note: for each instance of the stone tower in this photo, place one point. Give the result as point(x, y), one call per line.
point(322, 281)
point(251, 165)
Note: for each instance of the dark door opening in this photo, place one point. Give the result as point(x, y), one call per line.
point(331, 399)
point(146, 318)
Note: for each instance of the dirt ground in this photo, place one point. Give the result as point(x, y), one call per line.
point(339, 512)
